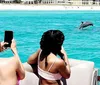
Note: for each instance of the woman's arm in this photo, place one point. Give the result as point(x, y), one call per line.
point(31, 65)
point(20, 69)
point(33, 58)
point(65, 67)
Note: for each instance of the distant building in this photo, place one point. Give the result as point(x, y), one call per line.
point(66, 2)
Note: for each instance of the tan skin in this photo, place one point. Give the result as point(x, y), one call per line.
point(59, 66)
point(11, 68)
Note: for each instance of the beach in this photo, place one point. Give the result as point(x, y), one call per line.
point(45, 7)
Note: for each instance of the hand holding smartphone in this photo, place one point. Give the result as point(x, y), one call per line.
point(8, 37)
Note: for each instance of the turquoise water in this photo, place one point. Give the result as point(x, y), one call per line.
point(28, 26)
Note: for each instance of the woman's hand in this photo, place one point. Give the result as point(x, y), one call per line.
point(2, 46)
point(13, 47)
point(13, 44)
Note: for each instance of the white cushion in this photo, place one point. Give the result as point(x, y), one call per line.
point(30, 79)
point(82, 73)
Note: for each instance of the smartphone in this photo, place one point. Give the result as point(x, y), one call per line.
point(8, 37)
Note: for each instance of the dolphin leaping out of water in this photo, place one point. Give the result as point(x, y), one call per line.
point(85, 24)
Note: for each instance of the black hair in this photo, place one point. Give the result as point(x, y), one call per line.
point(52, 41)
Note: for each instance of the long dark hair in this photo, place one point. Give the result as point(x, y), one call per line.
point(52, 41)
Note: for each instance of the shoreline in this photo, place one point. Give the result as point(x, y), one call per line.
point(45, 7)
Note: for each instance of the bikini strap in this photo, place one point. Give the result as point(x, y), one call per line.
point(39, 59)
point(52, 65)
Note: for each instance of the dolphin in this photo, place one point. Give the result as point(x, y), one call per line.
point(85, 24)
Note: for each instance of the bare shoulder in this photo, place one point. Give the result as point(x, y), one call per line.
point(15, 60)
point(12, 61)
point(59, 62)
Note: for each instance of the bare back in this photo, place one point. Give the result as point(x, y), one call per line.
point(8, 68)
point(51, 59)
point(59, 66)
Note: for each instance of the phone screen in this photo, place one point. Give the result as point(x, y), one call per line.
point(8, 38)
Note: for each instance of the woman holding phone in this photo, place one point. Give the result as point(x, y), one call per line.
point(51, 59)
point(8, 36)
point(11, 69)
